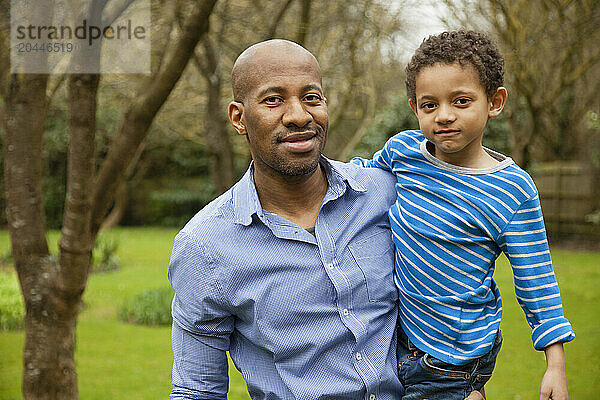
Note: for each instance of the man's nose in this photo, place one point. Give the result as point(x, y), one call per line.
point(445, 114)
point(296, 113)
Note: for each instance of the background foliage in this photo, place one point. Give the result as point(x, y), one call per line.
point(12, 309)
point(552, 74)
point(151, 307)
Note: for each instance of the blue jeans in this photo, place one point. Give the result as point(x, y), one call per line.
point(426, 377)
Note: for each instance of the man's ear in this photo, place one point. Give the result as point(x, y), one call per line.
point(235, 112)
point(413, 106)
point(497, 102)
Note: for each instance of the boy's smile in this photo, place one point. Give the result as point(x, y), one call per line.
point(453, 109)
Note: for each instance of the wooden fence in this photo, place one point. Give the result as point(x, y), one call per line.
point(569, 192)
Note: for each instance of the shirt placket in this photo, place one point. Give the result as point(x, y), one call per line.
point(345, 305)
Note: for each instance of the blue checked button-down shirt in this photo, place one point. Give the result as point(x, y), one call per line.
point(303, 316)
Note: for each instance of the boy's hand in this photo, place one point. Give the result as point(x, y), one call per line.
point(554, 381)
point(475, 395)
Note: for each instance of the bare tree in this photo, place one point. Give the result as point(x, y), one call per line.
point(52, 289)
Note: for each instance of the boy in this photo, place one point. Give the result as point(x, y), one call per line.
point(459, 205)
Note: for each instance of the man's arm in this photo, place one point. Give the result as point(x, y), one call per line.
point(199, 369)
point(202, 325)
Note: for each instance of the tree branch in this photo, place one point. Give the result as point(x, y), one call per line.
point(139, 116)
point(273, 29)
point(114, 10)
point(76, 241)
point(304, 22)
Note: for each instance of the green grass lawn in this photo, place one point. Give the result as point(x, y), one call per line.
point(116, 360)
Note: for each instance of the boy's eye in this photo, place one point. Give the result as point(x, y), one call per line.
point(462, 101)
point(428, 106)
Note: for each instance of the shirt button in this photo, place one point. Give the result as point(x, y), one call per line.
point(346, 312)
point(330, 266)
point(358, 356)
point(372, 397)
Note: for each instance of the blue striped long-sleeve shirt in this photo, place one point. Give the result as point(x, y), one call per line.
point(449, 225)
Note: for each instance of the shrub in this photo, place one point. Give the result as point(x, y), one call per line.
point(176, 207)
point(593, 218)
point(12, 310)
point(151, 307)
point(105, 258)
point(6, 259)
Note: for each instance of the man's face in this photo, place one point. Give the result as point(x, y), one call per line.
point(284, 114)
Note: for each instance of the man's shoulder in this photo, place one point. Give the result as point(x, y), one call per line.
point(375, 181)
point(213, 217)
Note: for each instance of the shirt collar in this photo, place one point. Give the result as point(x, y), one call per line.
point(245, 197)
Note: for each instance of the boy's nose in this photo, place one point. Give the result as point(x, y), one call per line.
point(445, 115)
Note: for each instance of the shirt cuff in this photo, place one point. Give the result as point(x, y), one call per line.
point(552, 331)
point(179, 393)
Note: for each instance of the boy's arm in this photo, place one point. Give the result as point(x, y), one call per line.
point(554, 381)
point(524, 243)
point(382, 159)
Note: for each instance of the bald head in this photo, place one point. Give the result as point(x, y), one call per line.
point(261, 57)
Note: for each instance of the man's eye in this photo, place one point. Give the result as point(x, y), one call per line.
point(272, 101)
point(313, 98)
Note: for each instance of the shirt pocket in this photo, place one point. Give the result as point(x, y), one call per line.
point(374, 256)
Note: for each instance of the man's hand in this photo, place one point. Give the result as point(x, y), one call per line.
point(554, 381)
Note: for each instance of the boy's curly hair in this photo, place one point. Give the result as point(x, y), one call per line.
point(463, 47)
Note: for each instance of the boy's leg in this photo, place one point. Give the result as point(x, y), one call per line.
point(425, 377)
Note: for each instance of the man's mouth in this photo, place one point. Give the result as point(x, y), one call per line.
point(299, 142)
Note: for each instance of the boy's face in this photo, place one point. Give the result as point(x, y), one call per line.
point(453, 108)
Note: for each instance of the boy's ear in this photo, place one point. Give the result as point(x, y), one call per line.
point(497, 102)
point(235, 112)
point(413, 106)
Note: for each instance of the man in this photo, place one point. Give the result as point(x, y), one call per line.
point(291, 269)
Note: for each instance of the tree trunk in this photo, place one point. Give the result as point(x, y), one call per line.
point(220, 153)
point(273, 29)
point(303, 26)
point(52, 294)
point(49, 324)
point(118, 211)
